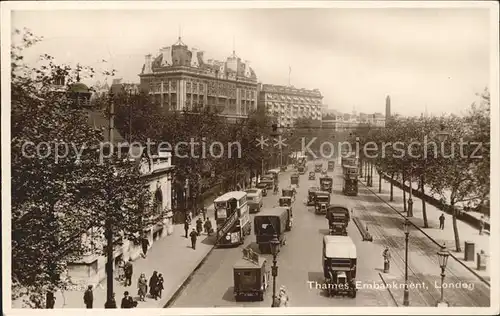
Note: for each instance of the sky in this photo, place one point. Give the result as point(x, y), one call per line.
point(423, 58)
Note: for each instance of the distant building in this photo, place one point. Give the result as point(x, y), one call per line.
point(287, 104)
point(179, 79)
point(119, 87)
point(340, 122)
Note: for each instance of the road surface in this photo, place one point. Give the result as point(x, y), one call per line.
point(299, 263)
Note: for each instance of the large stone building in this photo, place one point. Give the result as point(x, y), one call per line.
point(179, 79)
point(287, 103)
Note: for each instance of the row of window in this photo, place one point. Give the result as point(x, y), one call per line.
point(292, 98)
point(283, 105)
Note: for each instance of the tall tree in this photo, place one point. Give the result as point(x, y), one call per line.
point(57, 197)
point(454, 170)
point(478, 121)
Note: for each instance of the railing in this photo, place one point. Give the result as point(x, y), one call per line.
point(463, 216)
point(227, 225)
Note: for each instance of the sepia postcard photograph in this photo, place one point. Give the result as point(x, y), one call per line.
point(250, 158)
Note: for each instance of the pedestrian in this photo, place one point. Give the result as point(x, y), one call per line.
point(199, 225)
point(283, 297)
point(190, 216)
point(88, 297)
point(160, 284)
point(186, 227)
point(208, 227)
point(194, 236)
point(142, 285)
point(387, 257)
point(153, 285)
point(441, 221)
point(50, 300)
point(121, 270)
point(127, 301)
point(204, 212)
point(145, 246)
point(112, 303)
point(128, 269)
point(481, 225)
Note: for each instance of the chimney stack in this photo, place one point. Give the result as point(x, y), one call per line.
point(248, 73)
point(147, 68)
point(166, 56)
point(200, 57)
point(194, 57)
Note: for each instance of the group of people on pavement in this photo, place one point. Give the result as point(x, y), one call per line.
point(155, 290)
point(125, 271)
point(201, 225)
point(155, 286)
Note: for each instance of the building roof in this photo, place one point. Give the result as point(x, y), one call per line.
point(79, 87)
point(98, 120)
point(209, 67)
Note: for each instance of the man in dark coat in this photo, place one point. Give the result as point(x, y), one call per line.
point(88, 297)
point(441, 221)
point(145, 246)
point(128, 271)
point(186, 227)
point(153, 286)
point(208, 227)
point(127, 301)
point(199, 225)
point(194, 236)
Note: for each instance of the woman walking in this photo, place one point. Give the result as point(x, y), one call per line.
point(142, 284)
point(153, 281)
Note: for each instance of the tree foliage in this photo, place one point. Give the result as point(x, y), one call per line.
point(459, 166)
point(58, 199)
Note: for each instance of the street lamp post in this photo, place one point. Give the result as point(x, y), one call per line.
point(410, 201)
point(274, 244)
point(406, 294)
point(186, 187)
point(370, 175)
point(443, 260)
point(358, 155)
point(110, 303)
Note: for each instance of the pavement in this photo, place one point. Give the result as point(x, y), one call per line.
point(462, 286)
point(467, 233)
point(171, 256)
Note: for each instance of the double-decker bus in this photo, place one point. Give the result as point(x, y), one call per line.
point(232, 218)
point(350, 184)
